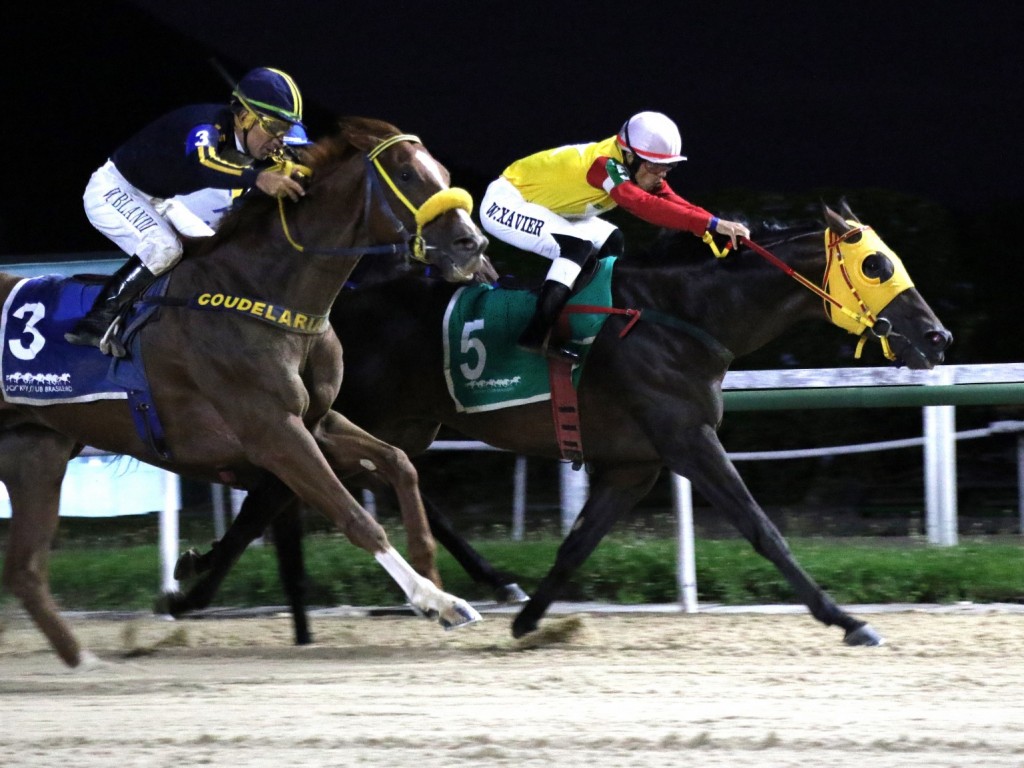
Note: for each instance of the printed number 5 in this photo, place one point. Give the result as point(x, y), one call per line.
point(35, 313)
point(473, 345)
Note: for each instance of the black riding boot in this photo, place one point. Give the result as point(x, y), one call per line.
point(554, 295)
point(131, 279)
point(534, 338)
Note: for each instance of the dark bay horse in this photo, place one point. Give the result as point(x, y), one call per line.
point(648, 400)
point(247, 401)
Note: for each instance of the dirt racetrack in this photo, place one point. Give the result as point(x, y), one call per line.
point(640, 690)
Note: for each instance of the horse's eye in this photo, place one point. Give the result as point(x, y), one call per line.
point(405, 176)
point(877, 267)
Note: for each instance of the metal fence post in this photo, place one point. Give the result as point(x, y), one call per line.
point(169, 530)
point(686, 568)
point(519, 499)
point(574, 486)
point(940, 474)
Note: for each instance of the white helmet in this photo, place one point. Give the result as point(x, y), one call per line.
point(652, 136)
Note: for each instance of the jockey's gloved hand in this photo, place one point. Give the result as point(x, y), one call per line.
point(277, 184)
point(731, 229)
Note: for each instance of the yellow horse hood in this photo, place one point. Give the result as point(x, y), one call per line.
point(863, 274)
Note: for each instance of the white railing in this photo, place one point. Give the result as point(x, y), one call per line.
point(938, 441)
point(937, 391)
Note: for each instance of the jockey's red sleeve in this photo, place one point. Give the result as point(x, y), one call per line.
point(662, 207)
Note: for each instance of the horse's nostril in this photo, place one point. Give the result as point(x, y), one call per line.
point(940, 339)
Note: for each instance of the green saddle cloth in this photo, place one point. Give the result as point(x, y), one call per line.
point(484, 368)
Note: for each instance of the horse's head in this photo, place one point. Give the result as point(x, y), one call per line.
point(873, 293)
point(409, 195)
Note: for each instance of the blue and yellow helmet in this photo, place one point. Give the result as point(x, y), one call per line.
point(270, 93)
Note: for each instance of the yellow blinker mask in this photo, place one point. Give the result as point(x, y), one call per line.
point(863, 274)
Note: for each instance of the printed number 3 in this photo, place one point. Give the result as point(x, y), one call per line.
point(35, 313)
point(473, 345)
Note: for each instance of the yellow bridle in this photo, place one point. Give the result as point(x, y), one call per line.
point(847, 285)
point(839, 294)
point(440, 202)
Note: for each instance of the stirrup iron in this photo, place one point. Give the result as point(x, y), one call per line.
point(111, 343)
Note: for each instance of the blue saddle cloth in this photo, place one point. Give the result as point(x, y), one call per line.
point(38, 367)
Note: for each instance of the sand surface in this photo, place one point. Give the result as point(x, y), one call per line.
point(597, 690)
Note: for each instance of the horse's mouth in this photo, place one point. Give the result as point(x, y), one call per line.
point(924, 356)
point(917, 338)
point(913, 358)
point(463, 271)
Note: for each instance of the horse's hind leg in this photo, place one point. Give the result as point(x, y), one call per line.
point(260, 506)
point(286, 529)
point(32, 466)
point(613, 491)
point(472, 562)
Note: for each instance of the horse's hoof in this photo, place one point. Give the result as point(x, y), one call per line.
point(169, 604)
point(522, 627)
point(87, 661)
point(510, 594)
point(459, 614)
point(863, 635)
point(186, 568)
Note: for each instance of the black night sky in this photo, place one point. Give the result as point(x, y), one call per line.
point(916, 97)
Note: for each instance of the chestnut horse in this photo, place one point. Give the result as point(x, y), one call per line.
point(649, 399)
point(249, 400)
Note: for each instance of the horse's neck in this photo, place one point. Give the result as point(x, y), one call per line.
point(742, 305)
point(391, 334)
point(762, 301)
point(294, 255)
point(264, 273)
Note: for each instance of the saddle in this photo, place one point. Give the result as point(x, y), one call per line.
point(38, 367)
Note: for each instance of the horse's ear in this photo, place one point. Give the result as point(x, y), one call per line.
point(845, 212)
point(361, 141)
point(355, 133)
point(834, 221)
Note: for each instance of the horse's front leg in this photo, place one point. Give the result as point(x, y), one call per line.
point(481, 570)
point(291, 453)
point(613, 490)
point(352, 450)
point(697, 454)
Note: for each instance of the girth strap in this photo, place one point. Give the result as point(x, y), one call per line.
point(565, 411)
point(564, 400)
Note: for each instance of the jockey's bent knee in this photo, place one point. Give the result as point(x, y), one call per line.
point(615, 245)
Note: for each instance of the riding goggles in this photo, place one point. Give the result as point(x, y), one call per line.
point(274, 127)
point(660, 167)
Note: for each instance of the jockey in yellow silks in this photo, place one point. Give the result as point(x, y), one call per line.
point(550, 203)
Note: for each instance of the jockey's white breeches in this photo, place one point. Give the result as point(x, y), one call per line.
point(138, 223)
point(528, 226)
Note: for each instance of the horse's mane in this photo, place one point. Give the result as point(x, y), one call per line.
point(353, 134)
point(675, 247)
